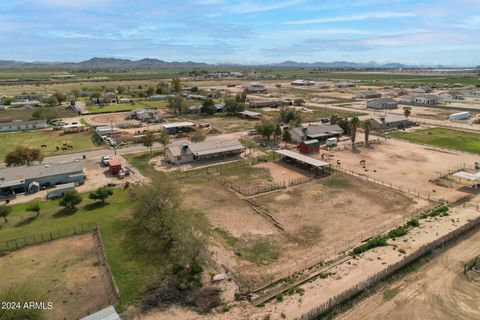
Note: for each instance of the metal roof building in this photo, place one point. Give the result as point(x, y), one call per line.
point(189, 151)
point(302, 158)
point(107, 313)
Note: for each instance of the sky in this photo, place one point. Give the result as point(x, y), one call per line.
point(247, 32)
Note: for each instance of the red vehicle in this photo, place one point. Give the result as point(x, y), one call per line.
point(114, 166)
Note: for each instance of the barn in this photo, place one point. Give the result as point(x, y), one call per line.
point(309, 146)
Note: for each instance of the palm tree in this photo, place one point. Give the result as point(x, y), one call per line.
point(367, 126)
point(354, 123)
point(407, 111)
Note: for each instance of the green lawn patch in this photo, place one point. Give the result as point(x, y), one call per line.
point(140, 162)
point(444, 138)
point(132, 272)
point(34, 139)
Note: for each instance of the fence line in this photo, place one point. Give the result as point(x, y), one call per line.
point(349, 293)
point(320, 258)
point(17, 243)
point(262, 189)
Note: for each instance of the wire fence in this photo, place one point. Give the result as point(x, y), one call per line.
point(359, 287)
point(254, 190)
point(17, 243)
point(320, 257)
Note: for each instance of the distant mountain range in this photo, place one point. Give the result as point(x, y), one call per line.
point(148, 63)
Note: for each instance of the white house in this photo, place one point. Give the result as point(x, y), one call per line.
point(22, 125)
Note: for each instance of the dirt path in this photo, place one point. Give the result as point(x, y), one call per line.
point(438, 291)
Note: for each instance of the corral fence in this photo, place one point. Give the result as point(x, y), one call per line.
point(254, 190)
point(225, 166)
point(106, 278)
point(112, 294)
point(17, 243)
point(390, 185)
point(318, 259)
point(372, 280)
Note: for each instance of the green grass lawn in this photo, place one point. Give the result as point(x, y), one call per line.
point(131, 271)
point(36, 138)
point(444, 138)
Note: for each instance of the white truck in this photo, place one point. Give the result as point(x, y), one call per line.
point(331, 142)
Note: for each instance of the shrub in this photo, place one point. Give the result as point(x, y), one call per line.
point(439, 211)
point(402, 251)
point(413, 222)
point(279, 297)
point(397, 232)
point(370, 244)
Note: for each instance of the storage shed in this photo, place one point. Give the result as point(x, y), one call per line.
point(309, 146)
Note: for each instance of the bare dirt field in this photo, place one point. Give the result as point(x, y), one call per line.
point(106, 119)
point(437, 291)
point(407, 165)
point(320, 218)
point(66, 272)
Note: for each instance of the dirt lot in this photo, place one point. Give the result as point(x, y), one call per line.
point(65, 271)
point(405, 164)
point(319, 217)
point(437, 291)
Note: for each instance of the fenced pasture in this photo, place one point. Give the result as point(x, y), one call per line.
point(404, 166)
point(73, 268)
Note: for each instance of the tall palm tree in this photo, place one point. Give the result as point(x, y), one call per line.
point(354, 123)
point(407, 111)
point(367, 126)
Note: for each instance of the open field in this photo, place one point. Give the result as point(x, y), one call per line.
point(224, 123)
point(34, 139)
point(69, 269)
point(438, 290)
point(407, 165)
point(26, 114)
point(444, 138)
point(132, 272)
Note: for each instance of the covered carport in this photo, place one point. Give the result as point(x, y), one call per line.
point(303, 161)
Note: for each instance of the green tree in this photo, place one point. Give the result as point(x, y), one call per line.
point(148, 140)
point(71, 199)
point(51, 101)
point(241, 97)
point(34, 206)
point(232, 106)
point(160, 226)
point(354, 123)
point(101, 194)
point(367, 127)
point(5, 211)
point(177, 85)
point(46, 113)
point(278, 131)
point(121, 89)
point(208, 107)
point(23, 156)
point(198, 136)
point(163, 88)
point(286, 136)
point(164, 140)
point(176, 104)
point(407, 111)
point(265, 128)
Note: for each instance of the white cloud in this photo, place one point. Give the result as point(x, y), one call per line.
point(356, 17)
point(252, 7)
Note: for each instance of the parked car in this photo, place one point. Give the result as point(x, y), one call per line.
point(104, 160)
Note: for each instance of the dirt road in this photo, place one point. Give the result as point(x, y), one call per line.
point(437, 291)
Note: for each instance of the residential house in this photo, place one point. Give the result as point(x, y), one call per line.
point(269, 104)
point(146, 115)
point(315, 132)
point(301, 82)
point(427, 99)
point(200, 151)
point(249, 115)
point(382, 103)
point(395, 92)
point(390, 122)
point(22, 125)
point(344, 84)
point(255, 87)
point(370, 94)
point(25, 104)
point(451, 95)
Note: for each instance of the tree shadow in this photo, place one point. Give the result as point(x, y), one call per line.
point(65, 212)
point(26, 221)
point(95, 205)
